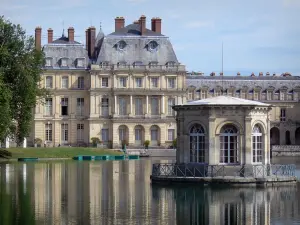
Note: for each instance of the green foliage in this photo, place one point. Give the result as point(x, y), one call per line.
point(20, 68)
point(95, 141)
point(147, 143)
point(175, 143)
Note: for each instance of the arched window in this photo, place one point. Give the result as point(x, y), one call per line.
point(197, 144)
point(257, 144)
point(229, 144)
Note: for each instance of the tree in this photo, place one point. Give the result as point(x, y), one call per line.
point(20, 68)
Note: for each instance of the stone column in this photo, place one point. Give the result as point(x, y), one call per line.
point(116, 108)
point(162, 104)
point(131, 112)
point(92, 105)
point(147, 104)
point(247, 142)
point(213, 152)
point(99, 104)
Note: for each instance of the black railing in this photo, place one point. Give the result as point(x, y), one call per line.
point(204, 170)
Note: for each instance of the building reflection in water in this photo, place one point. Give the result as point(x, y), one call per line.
point(120, 192)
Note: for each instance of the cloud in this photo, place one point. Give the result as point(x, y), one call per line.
point(199, 24)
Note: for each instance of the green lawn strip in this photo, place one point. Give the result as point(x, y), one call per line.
point(61, 152)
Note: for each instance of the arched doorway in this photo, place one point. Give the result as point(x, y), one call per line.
point(197, 143)
point(297, 136)
point(229, 144)
point(274, 136)
point(287, 137)
point(154, 135)
point(257, 144)
point(123, 134)
point(139, 134)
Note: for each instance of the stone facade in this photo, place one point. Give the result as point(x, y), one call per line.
point(223, 130)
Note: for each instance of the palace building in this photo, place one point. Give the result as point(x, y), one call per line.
point(120, 87)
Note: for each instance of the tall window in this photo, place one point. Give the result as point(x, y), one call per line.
point(64, 133)
point(154, 106)
point(104, 82)
point(122, 106)
point(295, 96)
point(154, 82)
point(269, 95)
point(190, 95)
point(282, 96)
point(64, 106)
point(123, 82)
point(197, 144)
point(171, 102)
point(138, 135)
point(80, 82)
point(80, 106)
point(282, 115)
point(257, 144)
point(49, 62)
point(48, 107)
point(104, 107)
point(80, 132)
point(203, 94)
point(171, 82)
point(48, 132)
point(138, 107)
point(171, 134)
point(65, 82)
point(229, 144)
point(104, 134)
point(154, 135)
point(49, 82)
point(138, 82)
point(122, 133)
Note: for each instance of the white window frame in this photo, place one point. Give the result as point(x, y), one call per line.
point(48, 62)
point(123, 82)
point(80, 106)
point(229, 132)
point(257, 145)
point(154, 82)
point(80, 132)
point(104, 106)
point(65, 82)
point(64, 62)
point(171, 102)
point(171, 134)
point(48, 132)
point(283, 114)
point(122, 106)
point(49, 82)
point(48, 107)
point(80, 62)
point(171, 82)
point(197, 144)
point(64, 133)
point(138, 82)
point(80, 82)
point(104, 81)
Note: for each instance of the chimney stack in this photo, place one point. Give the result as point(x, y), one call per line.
point(267, 74)
point(238, 74)
point(38, 38)
point(143, 24)
point(221, 73)
point(261, 74)
point(50, 35)
point(71, 34)
point(87, 39)
point(91, 41)
point(156, 25)
point(119, 23)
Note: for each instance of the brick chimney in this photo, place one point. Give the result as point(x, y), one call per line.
point(156, 25)
point(71, 34)
point(50, 35)
point(91, 41)
point(38, 38)
point(143, 24)
point(119, 23)
point(267, 74)
point(261, 74)
point(238, 74)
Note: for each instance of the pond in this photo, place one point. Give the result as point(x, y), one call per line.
point(120, 192)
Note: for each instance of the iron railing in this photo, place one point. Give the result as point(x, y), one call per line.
point(204, 170)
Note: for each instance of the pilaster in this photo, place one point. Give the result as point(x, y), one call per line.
point(247, 150)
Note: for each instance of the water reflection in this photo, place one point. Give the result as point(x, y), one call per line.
point(120, 193)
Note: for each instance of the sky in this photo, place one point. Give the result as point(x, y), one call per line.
point(257, 36)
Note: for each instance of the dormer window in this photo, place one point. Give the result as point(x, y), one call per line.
point(48, 62)
point(153, 64)
point(121, 64)
point(121, 45)
point(137, 64)
point(63, 62)
point(170, 64)
point(80, 62)
point(152, 46)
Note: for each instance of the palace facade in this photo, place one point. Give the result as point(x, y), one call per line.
point(122, 86)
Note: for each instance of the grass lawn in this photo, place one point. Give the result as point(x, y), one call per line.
point(59, 152)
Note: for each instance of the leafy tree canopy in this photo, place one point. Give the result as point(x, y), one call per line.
point(20, 73)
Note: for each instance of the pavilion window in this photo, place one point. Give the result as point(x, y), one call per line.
point(104, 106)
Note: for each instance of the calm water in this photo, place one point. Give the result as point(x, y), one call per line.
point(121, 193)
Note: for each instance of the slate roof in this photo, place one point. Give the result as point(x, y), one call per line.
point(136, 49)
point(239, 82)
point(134, 30)
point(64, 40)
point(226, 100)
